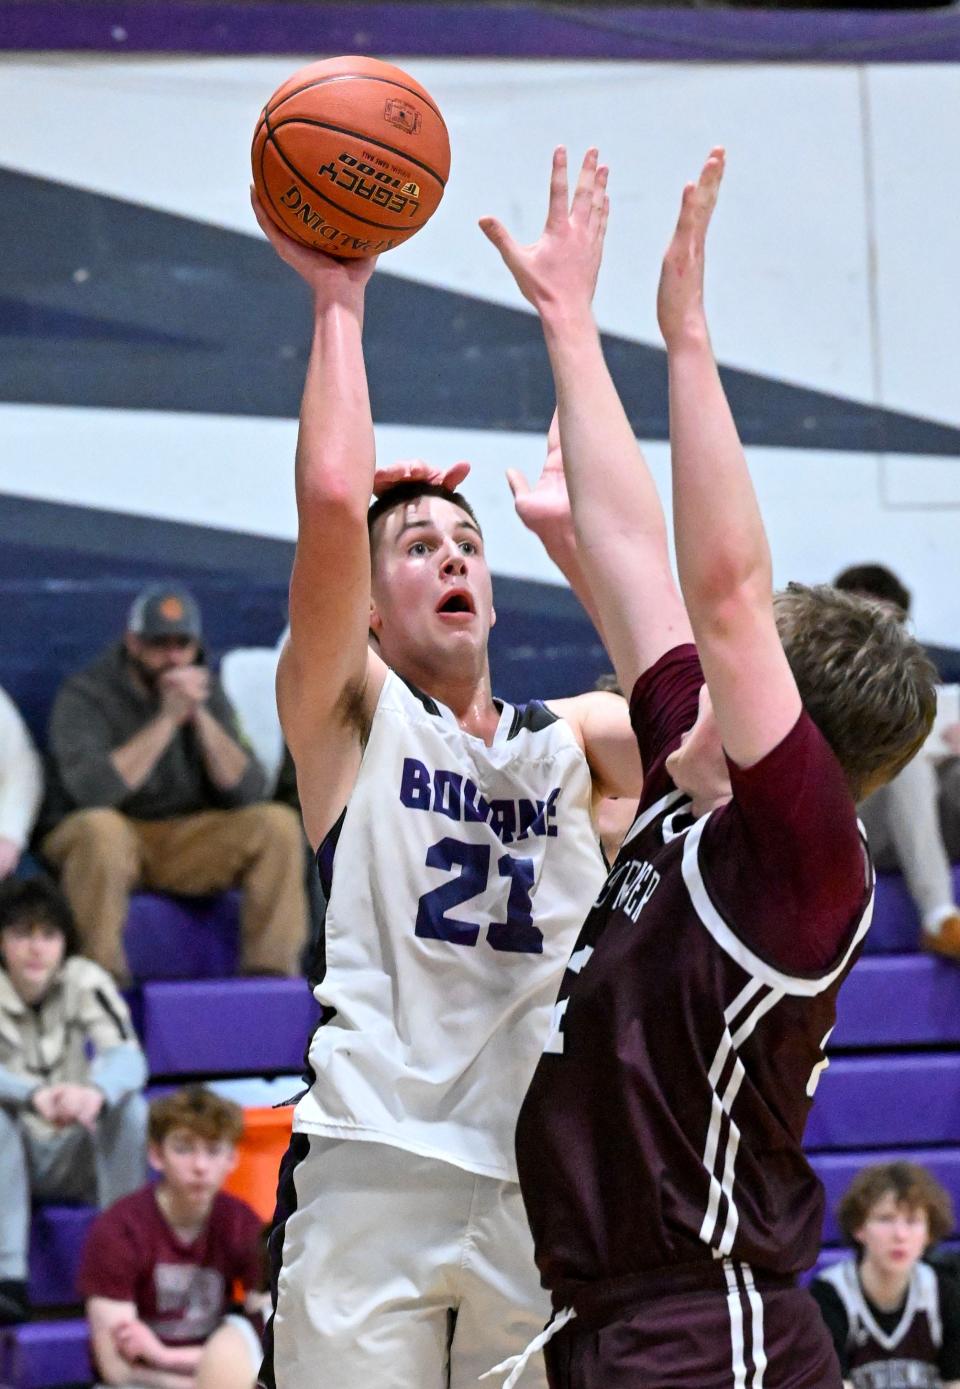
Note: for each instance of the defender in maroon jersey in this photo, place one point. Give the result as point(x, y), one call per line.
point(659, 1146)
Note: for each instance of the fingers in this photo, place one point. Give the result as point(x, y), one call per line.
point(518, 484)
point(497, 233)
point(418, 470)
point(699, 199)
point(266, 223)
point(453, 477)
point(557, 208)
point(553, 432)
point(584, 193)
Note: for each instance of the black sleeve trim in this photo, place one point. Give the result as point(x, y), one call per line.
point(112, 1013)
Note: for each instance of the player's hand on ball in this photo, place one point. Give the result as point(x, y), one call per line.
point(680, 295)
point(330, 279)
point(561, 267)
point(545, 507)
point(417, 470)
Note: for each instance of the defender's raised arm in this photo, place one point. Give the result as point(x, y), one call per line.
point(722, 553)
point(617, 514)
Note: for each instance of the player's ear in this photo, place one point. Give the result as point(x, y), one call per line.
point(493, 617)
point(375, 622)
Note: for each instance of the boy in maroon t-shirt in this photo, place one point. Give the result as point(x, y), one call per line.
point(159, 1267)
point(660, 1143)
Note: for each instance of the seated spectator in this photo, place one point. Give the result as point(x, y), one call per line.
point(894, 1319)
point(249, 676)
point(159, 1268)
point(72, 1118)
point(152, 786)
point(21, 787)
point(902, 819)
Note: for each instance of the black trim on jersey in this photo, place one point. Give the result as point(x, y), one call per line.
point(112, 1013)
point(286, 1205)
point(534, 717)
point(326, 852)
point(429, 704)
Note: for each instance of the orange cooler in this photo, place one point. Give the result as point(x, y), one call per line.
point(266, 1134)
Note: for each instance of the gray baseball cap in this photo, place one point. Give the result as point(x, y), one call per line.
point(164, 610)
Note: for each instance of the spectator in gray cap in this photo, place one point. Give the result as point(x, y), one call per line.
point(151, 785)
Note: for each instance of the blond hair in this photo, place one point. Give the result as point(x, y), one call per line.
point(865, 681)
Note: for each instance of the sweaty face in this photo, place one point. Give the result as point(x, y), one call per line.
point(698, 765)
point(894, 1235)
point(431, 593)
point(31, 955)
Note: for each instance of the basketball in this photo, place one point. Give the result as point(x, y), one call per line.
point(350, 156)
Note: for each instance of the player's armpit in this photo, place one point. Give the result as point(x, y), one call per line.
point(601, 723)
point(326, 739)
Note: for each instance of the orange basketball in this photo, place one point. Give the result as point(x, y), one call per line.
point(350, 156)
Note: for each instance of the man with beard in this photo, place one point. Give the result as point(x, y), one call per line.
point(151, 786)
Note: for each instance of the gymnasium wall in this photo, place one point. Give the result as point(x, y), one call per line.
point(152, 348)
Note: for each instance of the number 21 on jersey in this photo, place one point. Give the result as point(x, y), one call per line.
point(472, 864)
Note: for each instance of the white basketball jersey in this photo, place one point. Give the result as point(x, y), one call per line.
point(457, 879)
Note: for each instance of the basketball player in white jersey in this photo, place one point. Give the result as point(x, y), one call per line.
point(459, 856)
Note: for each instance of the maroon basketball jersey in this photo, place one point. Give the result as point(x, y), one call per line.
point(663, 1126)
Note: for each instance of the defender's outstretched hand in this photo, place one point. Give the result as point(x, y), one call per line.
point(417, 470)
point(545, 507)
point(680, 295)
point(323, 273)
point(561, 266)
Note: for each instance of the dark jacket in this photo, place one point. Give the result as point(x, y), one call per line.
point(101, 708)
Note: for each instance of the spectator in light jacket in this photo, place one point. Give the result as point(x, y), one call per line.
point(72, 1115)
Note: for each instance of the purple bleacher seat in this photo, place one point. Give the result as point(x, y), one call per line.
point(837, 1171)
point(57, 1234)
point(227, 1026)
point(42, 1354)
point(183, 937)
point(896, 926)
point(884, 1101)
point(899, 1000)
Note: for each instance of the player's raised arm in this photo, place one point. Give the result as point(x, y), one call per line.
point(323, 688)
point(722, 552)
point(617, 514)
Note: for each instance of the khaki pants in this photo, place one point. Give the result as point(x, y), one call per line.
point(102, 856)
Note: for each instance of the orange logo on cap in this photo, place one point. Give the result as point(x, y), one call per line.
point(171, 609)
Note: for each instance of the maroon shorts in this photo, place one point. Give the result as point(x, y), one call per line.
point(748, 1336)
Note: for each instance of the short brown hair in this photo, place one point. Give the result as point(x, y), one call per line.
point(909, 1184)
point(868, 685)
point(874, 581)
point(410, 491)
point(200, 1112)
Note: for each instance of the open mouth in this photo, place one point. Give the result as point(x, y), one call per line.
point(457, 601)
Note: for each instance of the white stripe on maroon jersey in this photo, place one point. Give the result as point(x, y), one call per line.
point(651, 813)
point(735, 1308)
point(731, 943)
point(721, 1104)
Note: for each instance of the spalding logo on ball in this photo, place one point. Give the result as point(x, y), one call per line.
point(350, 156)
